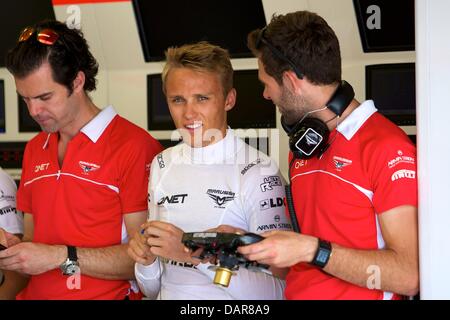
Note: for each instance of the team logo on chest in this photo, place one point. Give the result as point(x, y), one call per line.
point(220, 197)
point(341, 163)
point(87, 167)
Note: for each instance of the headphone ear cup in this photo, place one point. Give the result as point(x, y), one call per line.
point(309, 138)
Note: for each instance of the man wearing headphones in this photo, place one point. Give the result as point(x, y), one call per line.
point(353, 173)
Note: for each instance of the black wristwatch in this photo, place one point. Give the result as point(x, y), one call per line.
point(70, 266)
point(323, 254)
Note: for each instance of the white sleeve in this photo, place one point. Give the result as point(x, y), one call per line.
point(10, 219)
point(264, 199)
point(152, 184)
point(149, 278)
point(250, 285)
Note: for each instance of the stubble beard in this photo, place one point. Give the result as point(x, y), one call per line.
point(292, 107)
point(50, 129)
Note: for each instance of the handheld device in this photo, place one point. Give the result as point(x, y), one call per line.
point(223, 247)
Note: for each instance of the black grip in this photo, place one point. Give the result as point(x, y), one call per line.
point(291, 209)
point(249, 238)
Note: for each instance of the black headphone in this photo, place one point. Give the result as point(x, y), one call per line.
point(309, 136)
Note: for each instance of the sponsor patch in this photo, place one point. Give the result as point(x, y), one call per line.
point(270, 203)
point(341, 163)
point(87, 167)
point(403, 174)
point(41, 167)
point(401, 159)
point(273, 226)
point(178, 264)
point(270, 182)
point(174, 199)
point(8, 209)
point(160, 159)
point(6, 197)
point(300, 163)
point(250, 165)
point(220, 197)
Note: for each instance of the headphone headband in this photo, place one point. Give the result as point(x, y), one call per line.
point(341, 98)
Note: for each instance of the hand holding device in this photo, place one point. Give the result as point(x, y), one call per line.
point(223, 247)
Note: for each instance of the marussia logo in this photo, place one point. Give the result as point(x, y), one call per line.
point(341, 162)
point(220, 197)
point(312, 139)
point(88, 167)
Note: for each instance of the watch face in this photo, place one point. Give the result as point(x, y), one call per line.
point(323, 254)
point(322, 257)
point(70, 268)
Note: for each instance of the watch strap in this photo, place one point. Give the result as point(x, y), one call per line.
point(72, 253)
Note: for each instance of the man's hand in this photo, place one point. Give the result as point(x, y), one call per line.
point(164, 240)
point(32, 258)
point(139, 250)
point(281, 249)
point(8, 239)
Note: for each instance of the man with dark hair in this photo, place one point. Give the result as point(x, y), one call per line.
point(84, 178)
point(353, 173)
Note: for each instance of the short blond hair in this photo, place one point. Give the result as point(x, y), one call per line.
point(201, 56)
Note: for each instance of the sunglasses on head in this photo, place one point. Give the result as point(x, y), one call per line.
point(44, 36)
point(262, 39)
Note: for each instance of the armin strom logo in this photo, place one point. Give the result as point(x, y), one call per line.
point(220, 197)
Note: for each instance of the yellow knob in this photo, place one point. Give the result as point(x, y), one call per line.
point(223, 276)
